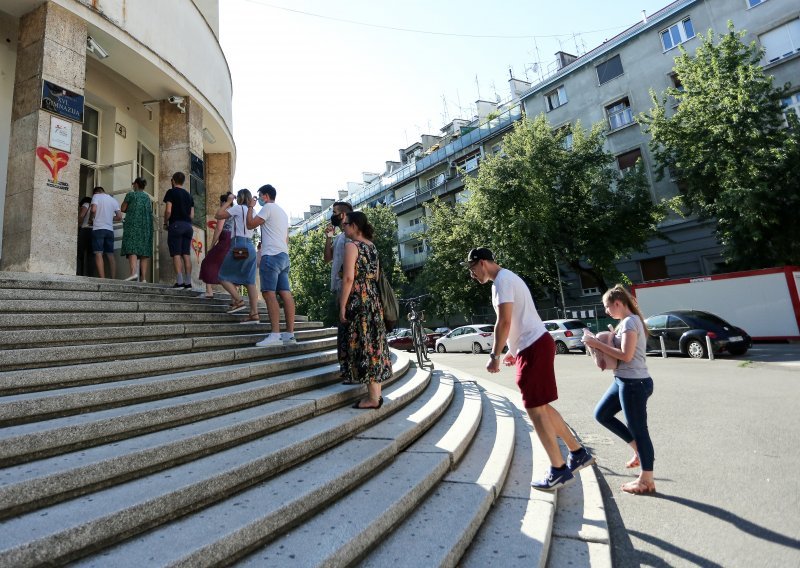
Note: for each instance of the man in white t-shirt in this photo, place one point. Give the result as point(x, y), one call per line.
point(533, 351)
point(105, 211)
point(273, 267)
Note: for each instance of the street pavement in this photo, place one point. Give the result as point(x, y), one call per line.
point(726, 440)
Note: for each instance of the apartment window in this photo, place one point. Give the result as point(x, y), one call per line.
point(436, 181)
point(146, 167)
point(677, 33)
point(556, 98)
point(791, 105)
point(589, 285)
point(781, 42)
point(619, 113)
point(415, 222)
point(654, 269)
point(751, 3)
point(628, 160)
point(609, 70)
point(419, 248)
point(675, 81)
point(497, 149)
point(468, 163)
point(566, 133)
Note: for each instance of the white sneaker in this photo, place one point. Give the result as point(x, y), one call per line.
point(288, 338)
point(271, 339)
point(132, 277)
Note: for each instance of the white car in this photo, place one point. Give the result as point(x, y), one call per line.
point(475, 338)
point(567, 333)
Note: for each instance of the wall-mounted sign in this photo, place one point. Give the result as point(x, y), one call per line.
point(62, 102)
point(53, 161)
point(121, 130)
point(60, 134)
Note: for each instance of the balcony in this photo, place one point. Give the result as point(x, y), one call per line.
point(411, 261)
point(409, 233)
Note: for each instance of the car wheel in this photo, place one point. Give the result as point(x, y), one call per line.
point(737, 350)
point(476, 348)
point(441, 348)
point(696, 350)
point(561, 347)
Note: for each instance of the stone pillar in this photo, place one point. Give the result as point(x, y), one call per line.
point(40, 227)
point(179, 135)
point(219, 177)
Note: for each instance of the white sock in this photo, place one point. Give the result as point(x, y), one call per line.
point(187, 278)
point(180, 277)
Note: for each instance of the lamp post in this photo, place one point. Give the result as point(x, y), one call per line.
point(561, 289)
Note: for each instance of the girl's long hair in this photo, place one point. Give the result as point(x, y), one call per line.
point(243, 197)
point(619, 294)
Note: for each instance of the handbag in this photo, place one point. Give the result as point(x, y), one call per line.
point(391, 308)
point(239, 253)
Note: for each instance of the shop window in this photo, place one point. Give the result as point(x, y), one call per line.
point(654, 269)
point(609, 70)
point(782, 41)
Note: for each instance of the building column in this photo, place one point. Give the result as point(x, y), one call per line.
point(40, 227)
point(219, 177)
point(180, 134)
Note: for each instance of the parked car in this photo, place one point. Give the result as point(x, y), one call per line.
point(443, 330)
point(402, 339)
point(685, 332)
point(396, 331)
point(475, 338)
point(567, 333)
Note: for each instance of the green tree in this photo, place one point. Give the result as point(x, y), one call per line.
point(309, 277)
point(451, 233)
point(545, 202)
point(727, 145)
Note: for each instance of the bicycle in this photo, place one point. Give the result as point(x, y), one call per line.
point(415, 320)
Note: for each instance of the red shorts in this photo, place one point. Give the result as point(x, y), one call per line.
point(536, 375)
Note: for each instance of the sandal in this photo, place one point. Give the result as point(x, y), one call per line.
point(359, 407)
point(252, 318)
point(237, 307)
point(633, 462)
point(638, 487)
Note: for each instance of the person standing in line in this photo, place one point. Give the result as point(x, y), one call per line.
point(631, 388)
point(367, 360)
point(85, 260)
point(532, 350)
point(220, 243)
point(178, 215)
point(334, 255)
point(105, 211)
point(273, 268)
point(240, 271)
point(137, 230)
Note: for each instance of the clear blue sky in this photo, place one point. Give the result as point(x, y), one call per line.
point(317, 100)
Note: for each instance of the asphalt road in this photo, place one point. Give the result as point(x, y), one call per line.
point(727, 465)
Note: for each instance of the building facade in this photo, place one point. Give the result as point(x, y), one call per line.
point(98, 92)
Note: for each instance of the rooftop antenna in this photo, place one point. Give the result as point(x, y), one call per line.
point(445, 114)
point(494, 89)
point(478, 85)
point(538, 57)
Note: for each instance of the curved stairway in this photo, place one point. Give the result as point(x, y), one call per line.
point(140, 426)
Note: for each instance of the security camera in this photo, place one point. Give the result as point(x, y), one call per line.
point(175, 100)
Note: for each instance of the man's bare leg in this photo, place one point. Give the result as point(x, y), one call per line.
point(546, 431)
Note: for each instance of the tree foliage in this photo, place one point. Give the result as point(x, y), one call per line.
point(544, 203)
point(727, 145)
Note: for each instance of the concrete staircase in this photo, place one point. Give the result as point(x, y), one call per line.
point(140, 426)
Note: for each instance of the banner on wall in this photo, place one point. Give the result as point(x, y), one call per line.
point(62, 102)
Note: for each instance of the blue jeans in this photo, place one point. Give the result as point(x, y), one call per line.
point(630, 396)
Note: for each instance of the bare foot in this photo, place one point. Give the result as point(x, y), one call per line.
point(633, 462)
point(639, 487)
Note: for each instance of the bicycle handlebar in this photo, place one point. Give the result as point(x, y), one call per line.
point(412, 300)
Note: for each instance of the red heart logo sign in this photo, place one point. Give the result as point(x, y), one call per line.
point(53, 160)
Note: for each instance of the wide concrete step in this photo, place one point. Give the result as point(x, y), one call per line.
point(46, 378)
point(463, 498)
point(47, 321)
point(46, 338)
point(138, 295)
point(71, 529)
point(26, 282)
point(56, 356)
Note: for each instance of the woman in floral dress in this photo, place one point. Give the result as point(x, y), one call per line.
point(367, 359)
point(137, 230)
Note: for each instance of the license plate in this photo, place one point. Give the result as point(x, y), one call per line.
point(735, 338)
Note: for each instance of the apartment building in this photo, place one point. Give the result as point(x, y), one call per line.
point(611, 84)
point(98, 92)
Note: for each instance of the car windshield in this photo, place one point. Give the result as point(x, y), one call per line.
point(574, 324)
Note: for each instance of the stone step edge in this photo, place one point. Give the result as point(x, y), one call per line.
point(593, 500)
point(65, 355)
point(24, 496)
point(87, 536)
point(241, 535)
point(48, 378)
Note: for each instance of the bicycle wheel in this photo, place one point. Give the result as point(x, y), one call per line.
point(422, 349)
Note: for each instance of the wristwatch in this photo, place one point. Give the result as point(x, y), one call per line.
point(493, 357)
